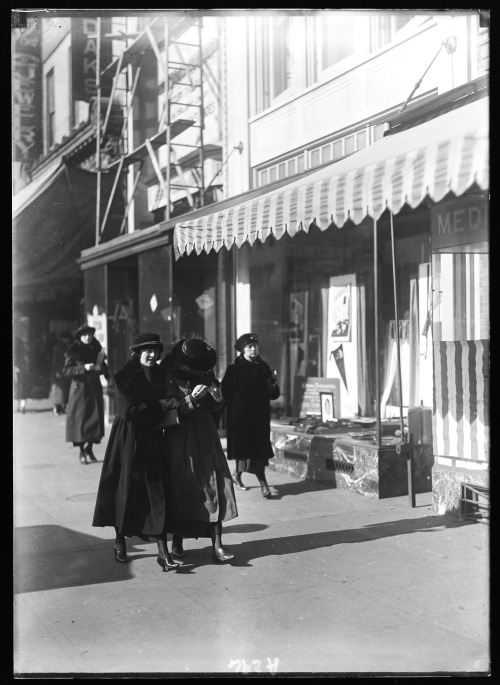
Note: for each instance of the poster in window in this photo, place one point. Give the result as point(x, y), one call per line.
point(339, 305)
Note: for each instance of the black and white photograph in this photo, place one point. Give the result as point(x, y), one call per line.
point(250, 343)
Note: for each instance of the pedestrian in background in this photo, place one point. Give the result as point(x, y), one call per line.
point(60, 384)
point(84, 364)
point(201, 486)
point(247, 388)
point(21, 378)
point(133, 489)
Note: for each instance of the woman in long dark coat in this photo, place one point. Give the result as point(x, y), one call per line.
point(201, 486)
point(85, 411)
point(133, 489)
point(247, 388)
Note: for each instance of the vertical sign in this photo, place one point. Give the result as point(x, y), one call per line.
point(26, 96)
point(84, 55)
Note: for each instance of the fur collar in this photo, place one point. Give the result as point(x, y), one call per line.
point(133, 371)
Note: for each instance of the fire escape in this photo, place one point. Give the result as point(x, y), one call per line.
point(177, 160)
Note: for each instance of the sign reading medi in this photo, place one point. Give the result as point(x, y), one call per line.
point(459, 222)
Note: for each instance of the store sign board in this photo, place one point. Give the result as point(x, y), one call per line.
point(84, 55)
point(308, 398)
point(26, 93)
point(459, 222)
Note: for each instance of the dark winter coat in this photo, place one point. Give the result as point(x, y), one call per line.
point(60, 384)
point(247, 388)
point(200, 480)
point(133, 489)
point(85, 411)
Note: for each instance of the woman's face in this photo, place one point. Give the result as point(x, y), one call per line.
point(149, 355)
point(251, 352)
point(86, 338)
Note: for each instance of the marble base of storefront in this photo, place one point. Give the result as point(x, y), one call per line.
point(460, 492)
point(343, 461)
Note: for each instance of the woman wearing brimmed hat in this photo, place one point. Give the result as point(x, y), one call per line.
point(133, 489)
point(84, 364)
point(201, 487)
point(247, 387)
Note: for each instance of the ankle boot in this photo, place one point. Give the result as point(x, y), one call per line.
point(264, 487)
point(177, 548)
point(120, 549)
point(83, 456)
point(89, 453)
point(238, 482)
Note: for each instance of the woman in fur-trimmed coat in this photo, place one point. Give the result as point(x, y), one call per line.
point(200, 481)
point(133, 494)
point(85, 411)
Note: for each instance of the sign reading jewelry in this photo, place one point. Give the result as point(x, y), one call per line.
point(26, 95)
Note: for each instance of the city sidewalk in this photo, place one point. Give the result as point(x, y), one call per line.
point(325, 581)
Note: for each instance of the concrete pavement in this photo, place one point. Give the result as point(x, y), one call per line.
point(325, 581)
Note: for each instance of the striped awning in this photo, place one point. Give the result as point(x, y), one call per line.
point(448, 153)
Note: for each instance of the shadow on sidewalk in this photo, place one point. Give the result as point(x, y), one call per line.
point(43, 564)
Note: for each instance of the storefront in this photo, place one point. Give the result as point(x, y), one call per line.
point(335, 274)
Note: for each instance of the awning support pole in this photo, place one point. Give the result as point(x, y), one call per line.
point(398, 339)
point(377, 354)
point(98, 134)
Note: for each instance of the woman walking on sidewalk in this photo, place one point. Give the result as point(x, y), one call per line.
point(201, 487)
point(247, 387)
point(84, 364)
point(133, 489)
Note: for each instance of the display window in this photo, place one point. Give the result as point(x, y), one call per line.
point(312, 305)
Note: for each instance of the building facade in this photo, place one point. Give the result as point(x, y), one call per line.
point(383, 309)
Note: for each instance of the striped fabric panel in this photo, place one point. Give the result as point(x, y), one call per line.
point(461, 414)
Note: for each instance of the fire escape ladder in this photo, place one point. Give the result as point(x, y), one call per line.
point(181, 120)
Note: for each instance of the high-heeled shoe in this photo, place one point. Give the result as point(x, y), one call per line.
point(82, 457)
point(221, 554)
point(89, 453)
point(238, 482)
point(120, 553)
point(167, 564)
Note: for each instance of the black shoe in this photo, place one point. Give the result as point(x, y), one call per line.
point(221, 554)
point(120, 553)
point(238, 482)
point(266, 493)
point(167, 564)
point(83, 458)
point(89, 453)
point(177, 548)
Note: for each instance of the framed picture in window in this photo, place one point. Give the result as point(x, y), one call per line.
point(327, 407)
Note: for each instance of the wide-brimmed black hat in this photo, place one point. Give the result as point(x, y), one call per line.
point(194, 355)
point(146, 340)
point(244, 340)
point(84, 328)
